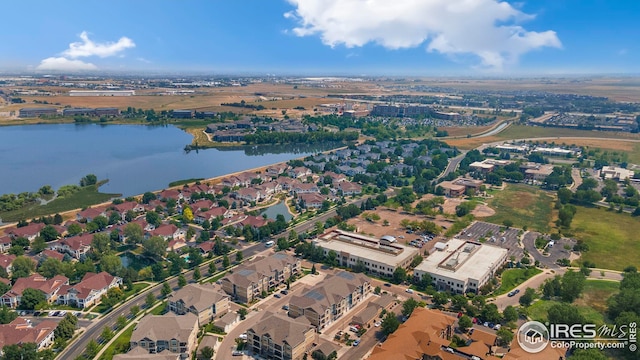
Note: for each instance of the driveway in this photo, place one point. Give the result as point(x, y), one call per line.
point(554, 253)
point(502, 301)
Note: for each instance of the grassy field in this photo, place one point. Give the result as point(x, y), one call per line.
point(591, 304)
point(511, 278)
point(612, 237)
point(596, 293)
point(183, 182)
point(87, 196)
point(539, 310)
point(524, 205)
point(523, 132)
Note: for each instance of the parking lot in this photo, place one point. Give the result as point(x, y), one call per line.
point(553, 253)
point(492, 234)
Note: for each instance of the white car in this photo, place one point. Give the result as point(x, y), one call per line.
point(410, 291)
point(377, 324)
point(243, 336)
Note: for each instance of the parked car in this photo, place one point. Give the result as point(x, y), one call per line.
point(285, 307)
point(356, 342)
point(353, 329)
point(237, 353)
point(410, 291)
point(243, 336)
point(377, 324)
point(284, 292)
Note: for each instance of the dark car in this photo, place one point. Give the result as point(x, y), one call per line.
point(284, 292)
point(387, 284)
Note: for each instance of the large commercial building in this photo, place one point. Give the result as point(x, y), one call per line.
point(102, 92)
point(616, 173)
point(330, 299)
point(379, 256)
point(461, 266)
point(35, 112)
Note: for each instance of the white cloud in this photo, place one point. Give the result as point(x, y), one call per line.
point(485, 28)
point(87, 47)
point(68, 61)
point(64, 64)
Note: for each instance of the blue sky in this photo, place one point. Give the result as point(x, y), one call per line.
point(329, 37)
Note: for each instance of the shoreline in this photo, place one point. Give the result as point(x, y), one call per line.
point(67, 215)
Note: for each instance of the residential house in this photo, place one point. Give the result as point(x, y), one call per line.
point(76, 246)
point(253, 221)
point(232, 181)
point(300, 172)
point(50, 288)
point(90, 213)
point(169, 194)
point(227, 321)
point(20, 331)
point(269, 188)
point(204, 301)
point(287, 183)
point(206, 247)
point(451, 189)
point(126, 206)
point(47, 253)
point(31, 231)
point(367, 317)
point(176, 333)
point(331, 299)
point(313, 200)
point(175, 245)
point(5, 243)
point(248, 194)
point(169, 232)
point(277, 337)
point(89, 291)
point(305, 188)
point(277, 169)
point(249, 280)
point(349, 188)
point(201, 204)
point(6, 261)
point(217, 212)
point(336, 178)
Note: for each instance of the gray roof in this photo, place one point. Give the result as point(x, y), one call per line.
point(165, 327)
point(282, 329)
point(197, 296)
point(262, 267)
point(138, 353)
point(331, 291)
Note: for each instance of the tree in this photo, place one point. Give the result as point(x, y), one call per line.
point(206, 353)
point(508, 223)
point(24, 351)
point(100, 222)
point(588, 354)
point(155, 247)
point(74, 229)
point(107, 333)
point(440, 298)
point(101, 245)
point(92, 349)
point(89, 179)
point(243, 313)
point(464, 323)
point(282, 244)
point(212, 268)
point(133, 233)
point(153, 218)
point(564, 195)
point(22, 267)
point(6, 315)
point(399, 275)
point(187, 214)
point(408, 306)
point(527, 298)
point(111, 264)
point(148, 197)
point(134, 310)
point(390, 323)
point(313, 269)
point(50, 267)
point(239, 256)
point(563, 313)
point(572, 285)
point(510, 313)
point(121, 322)
point(225, 262)
point(38, 245)
point(182, 281)
point(49, 233)
point(31, 298)
point(504, 336)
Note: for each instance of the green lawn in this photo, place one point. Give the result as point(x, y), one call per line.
point(612, 237)
point(185, 181)
point(87, 196)
point(511, 278)
point(160, 309)
point(120, 345)
point(591, 304)
point(596, 293)
point(524, 205)
point(538, 311)
point(136, 289)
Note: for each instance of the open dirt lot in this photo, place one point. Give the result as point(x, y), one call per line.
point(481, 210)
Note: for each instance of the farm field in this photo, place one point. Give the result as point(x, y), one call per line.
point(610, 247)
point(524, 205)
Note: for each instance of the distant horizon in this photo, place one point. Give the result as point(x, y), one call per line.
point(324, 37)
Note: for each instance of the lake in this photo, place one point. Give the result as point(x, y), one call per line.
point(135, 158)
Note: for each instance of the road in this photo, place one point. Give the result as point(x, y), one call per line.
point(93, 330)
